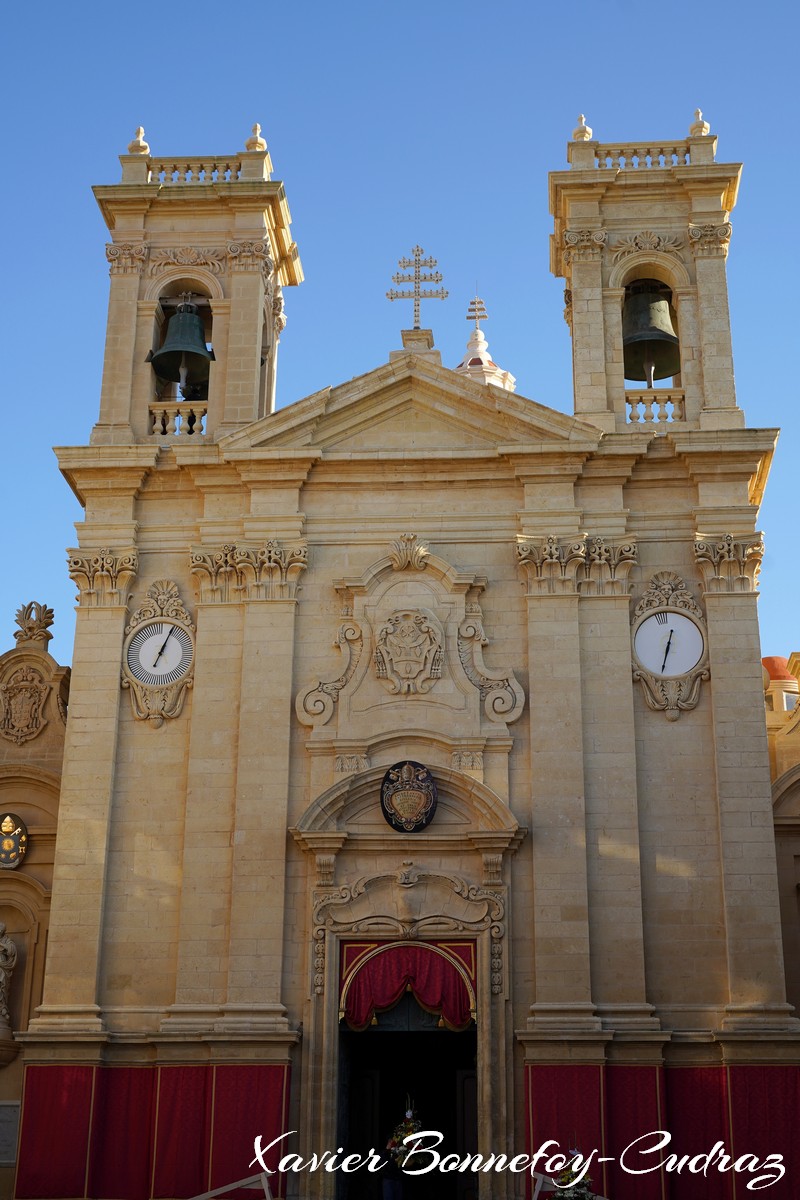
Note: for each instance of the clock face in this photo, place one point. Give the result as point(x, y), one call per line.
point(668, 643)
point(159, 653)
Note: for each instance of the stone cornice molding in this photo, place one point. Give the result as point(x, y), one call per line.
point(127, 258)
point(270, 571)
point(103, 578)
point(730, 564)
point(710, 241)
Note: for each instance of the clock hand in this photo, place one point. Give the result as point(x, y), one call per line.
point(666, 652)
point(166, 639)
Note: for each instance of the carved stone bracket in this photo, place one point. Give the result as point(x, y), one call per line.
point(250, 256)
point(315, 706)
point(128, 258)
point(410, 902)
point(234, 573)
point(503, 698)
point(151, 702)
point(710, 241)
point(606, 567)
point(103, 578)
point(730, 564)
point(34, 622)
point(163, 258)
point(646, 240)
point(408, 553)
point(551, 565)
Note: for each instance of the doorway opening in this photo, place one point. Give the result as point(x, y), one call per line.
point(407, 1055)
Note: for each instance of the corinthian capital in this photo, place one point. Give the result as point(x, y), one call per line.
point(731, 564)
point(103, 578)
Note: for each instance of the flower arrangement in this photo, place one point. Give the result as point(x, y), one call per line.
point(567, 1180)
point(410, 1124)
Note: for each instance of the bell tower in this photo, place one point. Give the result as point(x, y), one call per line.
point(641, 236)
point(200, 252)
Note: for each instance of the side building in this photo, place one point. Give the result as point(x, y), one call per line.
point(416, 748)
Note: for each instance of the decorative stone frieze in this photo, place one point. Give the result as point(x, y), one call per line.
point(234, 573)
point(408, 652)
point(103, 578)
point(730, 564)
point(503, 698)
point(408, 553)
point(127, 258)
point(351, 764)
point(163, 257)
point(250, 256)
point(646, 240)
point(158, 702)
point(22, 700)
point(34, 622)
point(467, 760)
point(315, 706)
point(551, 564)
point(710, 240)
point(606, 567)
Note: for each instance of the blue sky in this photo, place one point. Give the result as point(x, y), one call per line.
point(419, 122)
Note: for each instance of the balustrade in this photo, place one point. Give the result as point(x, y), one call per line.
point(195, 170)
point(178, 418)
point(655, 406)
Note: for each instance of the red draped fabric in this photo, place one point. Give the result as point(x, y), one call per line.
point(434, 981)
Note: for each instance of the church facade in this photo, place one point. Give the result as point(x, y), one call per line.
point(416, 749)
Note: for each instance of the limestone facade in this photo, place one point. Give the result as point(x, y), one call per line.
point(416, 565)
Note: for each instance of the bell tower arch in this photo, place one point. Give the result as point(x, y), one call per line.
point(641, 234)
point(199, 255)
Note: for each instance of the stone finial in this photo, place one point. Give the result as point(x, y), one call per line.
point(34, 622)
point(256, 142)
point(138, 145)
point(699, 127)
point(582, 133)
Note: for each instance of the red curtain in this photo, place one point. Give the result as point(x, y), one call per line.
point(434, 981)
point(54, 1136)
point(121, 1149)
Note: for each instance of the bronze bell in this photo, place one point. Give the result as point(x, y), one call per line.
point(184, 358)
point(650, 346)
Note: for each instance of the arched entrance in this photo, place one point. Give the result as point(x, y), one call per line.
point(408, 1036)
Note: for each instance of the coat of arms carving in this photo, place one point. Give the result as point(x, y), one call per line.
point(13, 841)
point(22, 700)
point(408, 797)
point(408, 652)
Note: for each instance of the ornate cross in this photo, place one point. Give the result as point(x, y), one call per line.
point(419, 277)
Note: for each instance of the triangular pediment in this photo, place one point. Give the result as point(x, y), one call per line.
point(412, 404)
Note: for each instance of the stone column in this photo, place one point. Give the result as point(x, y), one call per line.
point(204, 924)
point(269, 575)
point(709, 245)
point(127, 262)
point(612, 816)
point(250, 272)
point(70, 999)
point(582, 259)
point(563, 999)
point(756, 985)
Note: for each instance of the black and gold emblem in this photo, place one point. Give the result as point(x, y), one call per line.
point(13, 840)
point(408, 797)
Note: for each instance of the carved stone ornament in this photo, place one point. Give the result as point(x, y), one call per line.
point(278, 311)
point(408, 652)
point(156, 703)
point(232, 573)
point(408, 797)
point(592, 566)
point(250, 256)
point(503, 698)
point(351, 764)
point(671, 694)
point(730, 564)
point(8, 961)
point(34, 622)
point(103, 578)
point(584, 245)
point(710, 240)
point(315, 706)
point(22, 699)
point(13, 841)
point(408, 553)
point(162, 258)
point(410, 902)
point(646, 241)
point(128, 258)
